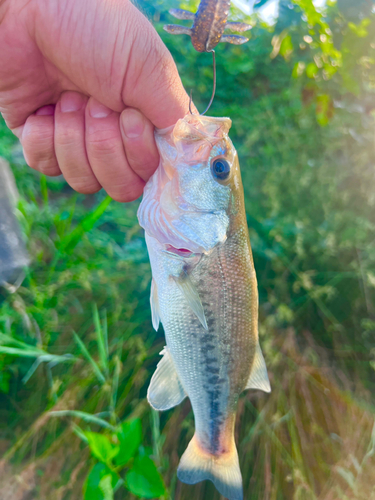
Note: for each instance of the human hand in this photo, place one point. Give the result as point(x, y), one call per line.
point(82, 84)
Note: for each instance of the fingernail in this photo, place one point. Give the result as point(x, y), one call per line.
point(46, 110)
point(98, 110)
point(71, 101)
point(133, 123)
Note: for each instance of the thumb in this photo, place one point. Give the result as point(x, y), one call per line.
point(109, 50)
point(153, 84)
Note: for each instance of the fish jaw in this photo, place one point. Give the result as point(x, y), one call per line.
point(183, 205)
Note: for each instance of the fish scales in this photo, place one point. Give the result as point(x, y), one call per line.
point(204, 292)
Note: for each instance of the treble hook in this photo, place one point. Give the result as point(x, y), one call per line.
point(213, 89)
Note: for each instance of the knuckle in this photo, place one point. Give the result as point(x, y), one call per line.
point(85, 185)
point(103, 141)
point(125, 194)
point(67, 137)
point(50, 169)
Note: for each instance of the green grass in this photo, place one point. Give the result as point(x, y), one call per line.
point(77, 348)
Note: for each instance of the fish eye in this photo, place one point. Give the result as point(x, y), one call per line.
point(220, 169)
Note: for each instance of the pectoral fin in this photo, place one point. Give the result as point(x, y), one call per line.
point(154, 301)
point(182, 14)
point(259, 377)
point(165, 390)
point(191, 295)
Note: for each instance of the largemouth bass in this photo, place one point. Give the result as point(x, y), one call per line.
point(204, 292)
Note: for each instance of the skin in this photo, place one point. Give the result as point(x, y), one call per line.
point(83, 84)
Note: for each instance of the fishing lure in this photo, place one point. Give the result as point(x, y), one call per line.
point(209, 24)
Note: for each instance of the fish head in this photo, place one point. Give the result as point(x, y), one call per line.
point(189, 201)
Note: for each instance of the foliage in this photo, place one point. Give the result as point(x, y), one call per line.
point(334, 50)
point(77, 348)
point(118, 451)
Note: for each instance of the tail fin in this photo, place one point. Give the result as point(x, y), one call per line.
point(224, 471)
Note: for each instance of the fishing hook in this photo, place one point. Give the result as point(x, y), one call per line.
point(213, 89)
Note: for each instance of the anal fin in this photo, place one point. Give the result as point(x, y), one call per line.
point(259, 377)
point(191, 294)
point(165, 390)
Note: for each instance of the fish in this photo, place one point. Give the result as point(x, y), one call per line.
point(209, 24)
point(204, 292)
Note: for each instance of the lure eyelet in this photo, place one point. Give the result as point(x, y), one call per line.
point(220, 169)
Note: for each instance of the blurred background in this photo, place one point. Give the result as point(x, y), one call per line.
point(77, 348)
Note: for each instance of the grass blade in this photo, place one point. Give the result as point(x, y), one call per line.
point(87, 355)
point(68, 243)
point(101, 340)
point(79, 432)
point(87, 417)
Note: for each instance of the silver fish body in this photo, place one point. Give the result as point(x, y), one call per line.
point(204, 292)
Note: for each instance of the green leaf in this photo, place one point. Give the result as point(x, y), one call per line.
point(286, 47)
point(298, 69)
point(105, 487)
point(130, 438)
point(324, 109)
point(95, 488)
point(312, 70)
point(144, 480)
point(101, 446)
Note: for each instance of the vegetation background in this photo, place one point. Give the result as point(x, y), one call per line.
point(77, 348)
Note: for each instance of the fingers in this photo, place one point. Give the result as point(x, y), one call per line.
point(92, 146)
point(129, 66)
point(106, 153)
point(152, 82)
point(37, 141)
point(138, 138)
point(70, 143)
